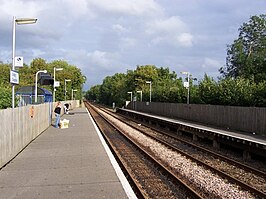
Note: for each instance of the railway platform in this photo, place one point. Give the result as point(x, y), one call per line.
point(248, 143)
point(74, 162)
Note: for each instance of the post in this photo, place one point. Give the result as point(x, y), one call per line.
point(150, 92)
point(140, 95)
point(72, 94)
point(17, 21)
point(65, 89)
point(54, 87)
point(55, 69)
point(66, 80)
point(188, 88)
point(187, 85)
point(149, 82)
point(130, 95)
point(36, 92)
point(36, 79)
point(13, 59)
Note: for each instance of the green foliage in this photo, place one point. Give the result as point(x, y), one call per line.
point(165, 86)
point(27, 78)
point(238, 92)
point(6, 96)
point(208, 90)
point(246, 57)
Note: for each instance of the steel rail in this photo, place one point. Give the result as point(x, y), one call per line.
point(191, 191)
point(221, 173)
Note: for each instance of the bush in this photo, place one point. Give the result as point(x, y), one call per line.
point(6, 97)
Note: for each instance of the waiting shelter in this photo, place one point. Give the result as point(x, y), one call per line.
point(26, 95)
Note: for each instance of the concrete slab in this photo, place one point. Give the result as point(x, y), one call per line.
point(64, 163)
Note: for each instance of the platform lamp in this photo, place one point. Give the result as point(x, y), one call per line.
point(149, 82)
point(186, 84)
point(66, 80)
point(140, 95)
point(73, 90)
point(55, 69)
point(36, 88)
point(130, 95)
point(19, 21)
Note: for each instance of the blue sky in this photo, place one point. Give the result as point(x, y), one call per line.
point(104, 37)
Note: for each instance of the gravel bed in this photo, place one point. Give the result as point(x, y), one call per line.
point(250, 178)
point(199, 176)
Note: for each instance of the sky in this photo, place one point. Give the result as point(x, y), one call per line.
point(104, 37)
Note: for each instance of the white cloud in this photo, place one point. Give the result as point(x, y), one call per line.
point(119, 28)
point(172, 31)
point(185, 39)
point(18, 7)
point(127, 7)
point(104, 60)
point(127, 42)
point(162, 26)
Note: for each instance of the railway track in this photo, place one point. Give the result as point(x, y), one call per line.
point(199, 157)
point(150, 178)
point(237, 172)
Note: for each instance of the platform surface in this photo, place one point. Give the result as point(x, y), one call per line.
point(63, 163)
point(236, 134)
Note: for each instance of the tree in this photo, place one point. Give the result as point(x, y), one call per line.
point(27, 78)
point(236, 92)
point(208, 90)
point(246, 57)
point(6, 96)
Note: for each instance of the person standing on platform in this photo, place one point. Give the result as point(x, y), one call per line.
point(57, 111)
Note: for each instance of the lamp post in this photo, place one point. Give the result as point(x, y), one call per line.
point(55, 69)
point(186, 84)
point(149, 82)
point(73, 90)
point(140, 95)
point(19, 21)
point(130, 95)
point(36, 79)
point(66, 80)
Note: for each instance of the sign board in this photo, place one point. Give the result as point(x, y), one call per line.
point(14, 77)
point(56, 83)
point(186, 84)
point(19, 61)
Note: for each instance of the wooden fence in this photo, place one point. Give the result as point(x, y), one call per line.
point(19, 126)
point(248, 119)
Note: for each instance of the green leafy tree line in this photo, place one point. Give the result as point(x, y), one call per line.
point(27, 78)
point(242, 81)
point(167, 87)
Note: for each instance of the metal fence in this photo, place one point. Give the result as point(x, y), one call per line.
point(248, 119)
point(19, 126)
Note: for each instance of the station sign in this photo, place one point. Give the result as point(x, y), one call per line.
point(14, 77)
point(56, 83)
point(186, 84)
point(18, 61)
